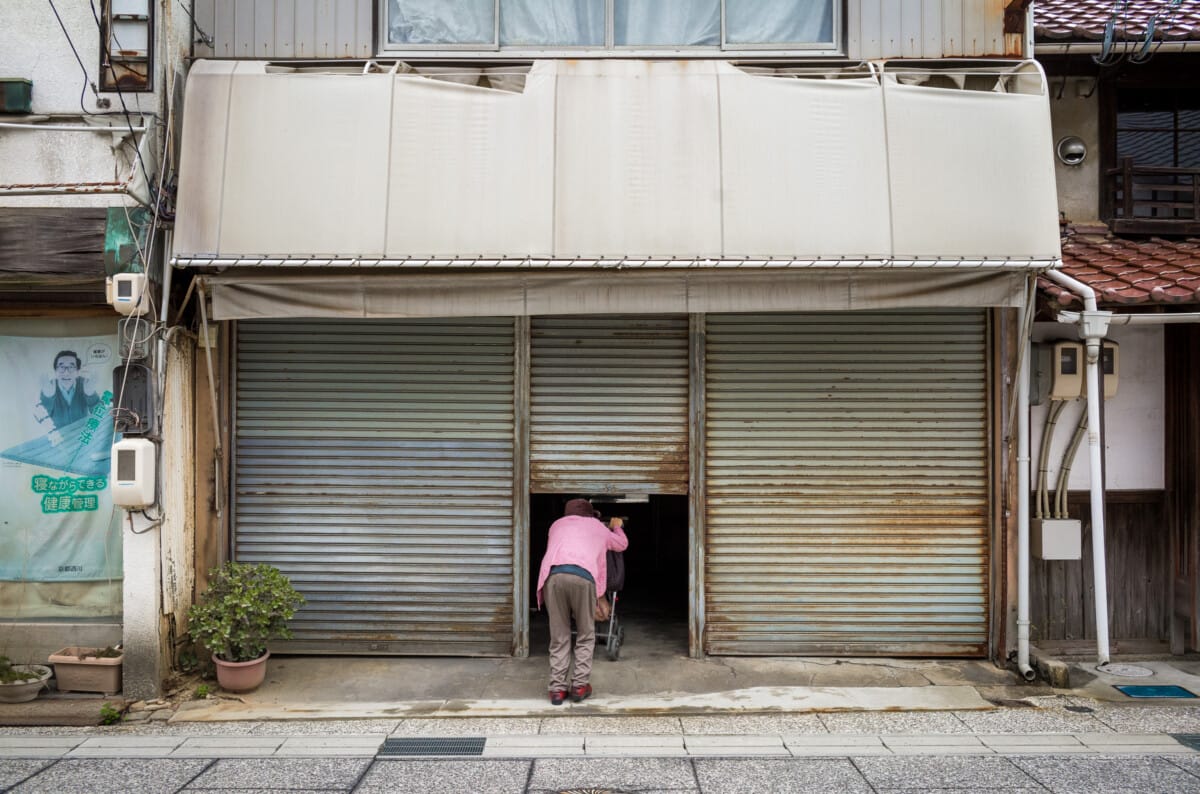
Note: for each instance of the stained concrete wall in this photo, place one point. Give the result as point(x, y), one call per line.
point(1133, 420)
point(1075, 110)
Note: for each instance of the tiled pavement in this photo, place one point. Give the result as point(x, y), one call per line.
point(1062, 744)
point(585, 745)
point(605, 745)
point(711, 775)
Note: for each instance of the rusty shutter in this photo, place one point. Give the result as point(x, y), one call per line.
point(609, 404)
point(374, 466)
point(847, 484)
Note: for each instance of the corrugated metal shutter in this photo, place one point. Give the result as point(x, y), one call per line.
point(847, 483)
point(609, 404)
point(375, 468)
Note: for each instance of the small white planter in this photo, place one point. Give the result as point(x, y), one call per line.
point(25, 691)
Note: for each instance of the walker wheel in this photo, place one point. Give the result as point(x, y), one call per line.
point(614, 643)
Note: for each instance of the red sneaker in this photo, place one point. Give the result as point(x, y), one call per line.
point(557, 696)
point(581, 693)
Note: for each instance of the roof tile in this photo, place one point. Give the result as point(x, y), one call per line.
point(1126, 271)
point(1084, 21)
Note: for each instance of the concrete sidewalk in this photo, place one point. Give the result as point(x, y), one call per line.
point(592, 745)
point(654, 677)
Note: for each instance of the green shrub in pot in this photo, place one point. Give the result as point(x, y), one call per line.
point(245, 607)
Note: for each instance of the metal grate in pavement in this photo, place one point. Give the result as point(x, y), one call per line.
point(425, 745)
point(1153, 691)
point(1191, 740)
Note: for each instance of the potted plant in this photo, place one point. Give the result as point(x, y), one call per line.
point(20, 683)
point(84, 669)
point(246, 606)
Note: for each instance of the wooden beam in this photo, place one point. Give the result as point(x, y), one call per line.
point(1014, 16)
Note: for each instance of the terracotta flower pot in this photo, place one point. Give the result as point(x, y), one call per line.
point(78, 669)
point(241, 676)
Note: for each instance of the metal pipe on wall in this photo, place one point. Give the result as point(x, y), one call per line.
point(1093, 325)
point(1023, 520)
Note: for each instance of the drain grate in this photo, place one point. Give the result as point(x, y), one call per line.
point(1153, 691)
point(1190, 740)
point(457, 745)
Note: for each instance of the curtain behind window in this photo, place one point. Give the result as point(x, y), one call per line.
point(580, 23)
point(778, 21)
point(441, 22)
point(559, 23)
point(667, 22)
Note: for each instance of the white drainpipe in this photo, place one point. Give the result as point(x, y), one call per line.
point(1023, 520)
point(1093, 325)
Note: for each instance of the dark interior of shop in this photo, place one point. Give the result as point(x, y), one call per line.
point(654, 600)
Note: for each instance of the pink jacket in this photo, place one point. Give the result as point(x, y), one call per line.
point(576, 540)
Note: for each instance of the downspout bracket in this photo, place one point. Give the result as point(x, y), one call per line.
point(1094, 324)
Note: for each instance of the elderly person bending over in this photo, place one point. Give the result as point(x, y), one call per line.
point(572, 578)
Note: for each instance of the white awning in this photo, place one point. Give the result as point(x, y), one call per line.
point(699, 164)
point(264, 294)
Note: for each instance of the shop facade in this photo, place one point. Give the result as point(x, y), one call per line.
point(783, 342)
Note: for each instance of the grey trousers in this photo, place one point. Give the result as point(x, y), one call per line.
point(567, 596)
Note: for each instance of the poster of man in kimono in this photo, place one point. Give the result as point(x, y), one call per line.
point(57, 522)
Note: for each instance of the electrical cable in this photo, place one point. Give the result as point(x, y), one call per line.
point(1068, 462)
point(1164, 16)
point(86, 80)
point(106, 57)
point(205, 39)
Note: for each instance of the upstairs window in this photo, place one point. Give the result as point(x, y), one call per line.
point(1154, 185)
point(126, 45)
point(619, 26)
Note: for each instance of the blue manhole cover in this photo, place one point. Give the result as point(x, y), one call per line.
point(1153, 691)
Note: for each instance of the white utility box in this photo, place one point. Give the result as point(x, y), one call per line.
point(127, 293)
point(1056, 539)
point(1066, 377)
point(132, 475)
point(1110, 367)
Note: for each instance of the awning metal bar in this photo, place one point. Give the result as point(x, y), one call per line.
point(611, 263)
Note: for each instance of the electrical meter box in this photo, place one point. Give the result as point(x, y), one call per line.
point(1067, 365)
point(1055, 539)
point(133, 401)
point(1110, 367)
point(132, 476)
point(127, 293)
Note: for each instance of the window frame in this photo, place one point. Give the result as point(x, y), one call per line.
point(117, 69)
point(833, 48)
point(1160, 78)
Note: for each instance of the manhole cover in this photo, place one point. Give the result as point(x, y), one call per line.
point(458, 745)
point(1153, 691)
point(1124, 670)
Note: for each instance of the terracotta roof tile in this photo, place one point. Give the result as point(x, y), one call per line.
point(1126, 271)
point(1061, 21)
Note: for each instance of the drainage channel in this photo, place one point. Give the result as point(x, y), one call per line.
point(424, 745)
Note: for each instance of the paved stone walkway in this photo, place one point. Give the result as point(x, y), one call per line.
point(600, 745)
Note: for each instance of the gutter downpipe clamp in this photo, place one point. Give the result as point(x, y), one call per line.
point(1093, 325)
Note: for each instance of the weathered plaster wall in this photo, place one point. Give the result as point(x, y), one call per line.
point(1074, 110)
point(1133, 419)
point(34, 46)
